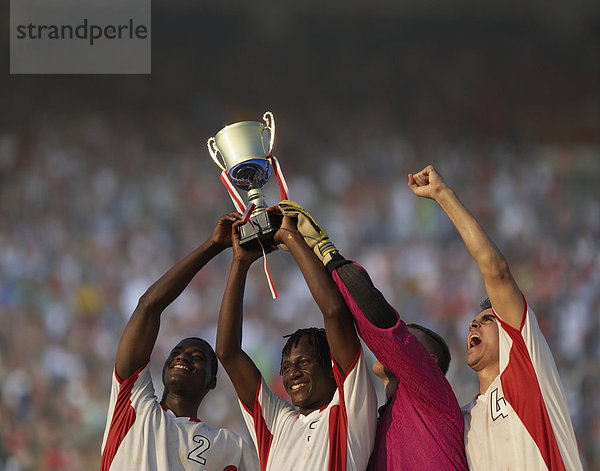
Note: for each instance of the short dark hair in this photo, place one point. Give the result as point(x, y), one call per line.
point(316, 337)
point(442, 351)
point(485, 304)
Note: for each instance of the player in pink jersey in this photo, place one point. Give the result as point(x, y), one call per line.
point(330, 423)
point(421, 426)
point(145, 433)
point(519, 420)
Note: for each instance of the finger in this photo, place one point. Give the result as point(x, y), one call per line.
point(235, 232)
point(238, 223)
point(412, 184)
point(416, 179)
point(274, 210)
point(421, 178)
point(230, 216)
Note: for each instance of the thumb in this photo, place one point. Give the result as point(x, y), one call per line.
point(235, 229)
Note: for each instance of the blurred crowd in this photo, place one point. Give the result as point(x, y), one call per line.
point(96, 202)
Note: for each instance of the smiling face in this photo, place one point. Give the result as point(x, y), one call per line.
point(188, 370)
point(482, 342)
point(309, 384)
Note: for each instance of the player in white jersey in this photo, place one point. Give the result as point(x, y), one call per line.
point(145, 433)
point(331, 422)
point(519, 420)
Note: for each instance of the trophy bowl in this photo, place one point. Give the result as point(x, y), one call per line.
point(250, 174)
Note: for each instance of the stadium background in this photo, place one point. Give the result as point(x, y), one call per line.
point(105, 181)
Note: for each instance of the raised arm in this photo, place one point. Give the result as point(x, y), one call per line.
point(500, 285)
point(239, 366)
point(337, 319)
point(139, 336)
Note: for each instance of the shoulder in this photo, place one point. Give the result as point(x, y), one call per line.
point(142, 374)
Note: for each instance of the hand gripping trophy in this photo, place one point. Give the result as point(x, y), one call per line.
point(246, 149)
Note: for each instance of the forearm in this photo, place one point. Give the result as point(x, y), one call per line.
point(229, 331)
point(500, 285)
point(337, 319)
point(324, 291)
point(489, 259)
point(363, 297)
point(239, 366)
point(167, 288)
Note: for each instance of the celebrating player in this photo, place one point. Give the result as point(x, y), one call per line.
point(420, 426)
point(143, 433)
point(520, 419)
point(330, 424)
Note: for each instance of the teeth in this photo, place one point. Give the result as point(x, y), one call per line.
point(297, 386)
point(181, 367)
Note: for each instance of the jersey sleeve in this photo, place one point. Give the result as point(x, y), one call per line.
point(266, 419)
point(353, 418)
point(126, 397)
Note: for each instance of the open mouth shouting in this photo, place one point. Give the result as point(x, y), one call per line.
point(473, 340)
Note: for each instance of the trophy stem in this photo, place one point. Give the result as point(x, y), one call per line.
point(263, 227)
point(256, 196)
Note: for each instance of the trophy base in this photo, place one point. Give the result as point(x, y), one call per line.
point(263, 228)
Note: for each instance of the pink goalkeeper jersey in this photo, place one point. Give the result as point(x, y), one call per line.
point(143, 435)
point(422, 427)
point(338, 437)
point(521, 422)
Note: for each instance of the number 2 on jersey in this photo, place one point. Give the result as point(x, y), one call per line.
point(196, 453)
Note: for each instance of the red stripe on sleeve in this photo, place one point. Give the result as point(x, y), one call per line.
point(121, 422)
point(264, 437)
point(338, 439)
point(338, 423)
point(522, 391)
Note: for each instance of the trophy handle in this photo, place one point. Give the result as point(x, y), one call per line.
point(213, 151)
point(270, 120)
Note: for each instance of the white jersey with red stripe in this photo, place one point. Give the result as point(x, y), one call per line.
point(142, 434)
point(338, 437)
point(521, 422)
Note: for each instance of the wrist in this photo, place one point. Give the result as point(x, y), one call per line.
point(209, 249)
point(240, 264)
point(216, 245)
point(336, 261)
point(444, 194)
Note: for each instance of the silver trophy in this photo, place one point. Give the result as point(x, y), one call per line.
point(245, 149)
